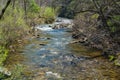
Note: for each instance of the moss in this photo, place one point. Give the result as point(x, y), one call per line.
point(95, 16)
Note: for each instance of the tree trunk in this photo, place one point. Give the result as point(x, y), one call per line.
point(25, 9)
point(4, 9)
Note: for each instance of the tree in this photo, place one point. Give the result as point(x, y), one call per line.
point(4, 9)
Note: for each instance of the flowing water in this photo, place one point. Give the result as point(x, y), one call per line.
point(52, 57)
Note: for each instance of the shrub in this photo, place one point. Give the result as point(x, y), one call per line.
point(33, 7)
point(113, 23)
point(13, 26)
point(49, 14)
point(45, 15)
point(12, 29)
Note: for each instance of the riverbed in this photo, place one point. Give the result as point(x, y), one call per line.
point(52, 56)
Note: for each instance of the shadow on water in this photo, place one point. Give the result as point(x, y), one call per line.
point(59, 60)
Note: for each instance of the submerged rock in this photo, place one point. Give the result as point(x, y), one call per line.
point(42, 44)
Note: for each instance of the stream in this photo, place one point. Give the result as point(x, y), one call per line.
point(52, 57)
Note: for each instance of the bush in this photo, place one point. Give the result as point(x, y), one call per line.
point(113, 23)
point(12, 27)
point(45, 15)
point(49, 14)
point(33, 7)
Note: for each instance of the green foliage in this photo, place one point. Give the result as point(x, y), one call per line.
point(49, 12)
point(3, 55)
point(113, 23)
point(113, 29)
point(111, 26)
point(13, 27)
point(111, 57)
point(16, 73)
point(116, 17)
point(45, 15)
point(32, 15)
point(2, 76)
point(109, 23)
point(34, 7)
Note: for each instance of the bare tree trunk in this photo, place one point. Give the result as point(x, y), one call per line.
point(4, 9)
point(25, 9)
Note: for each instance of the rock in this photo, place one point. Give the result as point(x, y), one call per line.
point(58, 20)
point(48, 38)
point(37, 36)
point(73, 63)
point(62, 24)
point(42, 44)
point(57, 26)
point(5, 71)
point(43, 65)
point(51, 74)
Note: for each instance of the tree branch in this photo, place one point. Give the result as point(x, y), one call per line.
point(93, 11)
